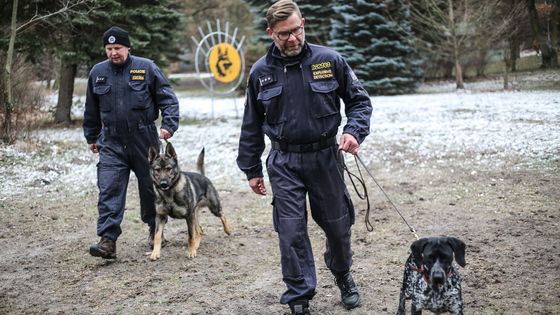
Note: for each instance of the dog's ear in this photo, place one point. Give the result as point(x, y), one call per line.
point(170, 151)
point(152, 154)
point(458, 249)
point(417, 247)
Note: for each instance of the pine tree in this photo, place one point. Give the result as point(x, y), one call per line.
point(317, 20)
point(75, 38)
point(376, 39)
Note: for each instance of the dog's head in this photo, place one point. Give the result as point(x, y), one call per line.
point(434, 255)
point(164, 168)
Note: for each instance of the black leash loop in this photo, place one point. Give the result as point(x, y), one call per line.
point(386, 196)
point(365, 196)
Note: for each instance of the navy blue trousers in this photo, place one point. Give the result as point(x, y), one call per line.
point(319, 175)
point(119, 153)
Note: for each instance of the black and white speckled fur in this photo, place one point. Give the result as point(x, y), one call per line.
point(418, 286)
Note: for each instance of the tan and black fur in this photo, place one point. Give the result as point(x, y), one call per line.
point(180, 195)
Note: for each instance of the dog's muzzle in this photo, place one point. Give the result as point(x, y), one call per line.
point(437, 276)
point(164, 184)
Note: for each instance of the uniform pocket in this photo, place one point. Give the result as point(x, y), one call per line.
point(102, 92)
point(351, 210)
point(140, 95)
point(324, 98)
point(270, 100)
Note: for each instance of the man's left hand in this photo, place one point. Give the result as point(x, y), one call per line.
point(348, 144)
point(164, 134)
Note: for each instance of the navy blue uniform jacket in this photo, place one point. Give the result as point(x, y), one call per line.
point(121, 97)
point(297, 100)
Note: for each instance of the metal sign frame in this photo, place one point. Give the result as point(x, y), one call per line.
point(204, 48)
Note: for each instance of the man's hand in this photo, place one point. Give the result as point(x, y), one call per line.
point(349, 144)
point(257, 185)
point(93, 148)
point(164, 134)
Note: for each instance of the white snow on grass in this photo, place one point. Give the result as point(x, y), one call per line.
point(491, 129)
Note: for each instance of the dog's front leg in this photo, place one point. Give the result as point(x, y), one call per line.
point(194, 235)
point(402, 303)
point(160, 224)
point(414, 310)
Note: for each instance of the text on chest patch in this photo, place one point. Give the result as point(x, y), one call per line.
point(322, 70)
point(137, 71)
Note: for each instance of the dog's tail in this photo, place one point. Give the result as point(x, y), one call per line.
point(200, 163)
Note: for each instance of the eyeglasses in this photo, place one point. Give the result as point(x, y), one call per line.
point(285, 35)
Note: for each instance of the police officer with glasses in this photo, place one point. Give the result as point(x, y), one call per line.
point(293, 97)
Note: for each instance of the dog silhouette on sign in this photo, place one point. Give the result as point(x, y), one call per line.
point(223, 63)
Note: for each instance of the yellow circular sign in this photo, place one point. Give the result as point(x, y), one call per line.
point(225, 62)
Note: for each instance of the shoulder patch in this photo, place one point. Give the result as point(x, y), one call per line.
point(266, 80)
point(353, 75)
point(100, 80)
point(322, 70)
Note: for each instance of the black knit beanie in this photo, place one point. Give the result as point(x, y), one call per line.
point(116, 35)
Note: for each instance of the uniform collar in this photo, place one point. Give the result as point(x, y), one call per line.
point(127, 63)
point(274, 55)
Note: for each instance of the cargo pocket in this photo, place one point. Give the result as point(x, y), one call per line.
point(274, 215)
point(350, 206)
point(140, 95)
point(102, 92)
point(270, 100)
point(324, 98)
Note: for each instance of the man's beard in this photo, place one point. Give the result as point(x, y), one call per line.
point(294, 51)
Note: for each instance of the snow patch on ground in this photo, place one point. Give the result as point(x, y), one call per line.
point(493, 128)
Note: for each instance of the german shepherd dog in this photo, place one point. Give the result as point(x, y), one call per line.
point(180, 195)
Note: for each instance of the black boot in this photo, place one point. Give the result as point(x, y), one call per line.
point(106, 248)
point(348, 289)
point(299, 307)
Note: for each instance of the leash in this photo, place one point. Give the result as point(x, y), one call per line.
point(369, 227)
point(365, 196)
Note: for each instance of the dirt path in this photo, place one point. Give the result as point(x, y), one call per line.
point(506, 209)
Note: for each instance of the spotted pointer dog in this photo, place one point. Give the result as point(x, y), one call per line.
point(430, 279)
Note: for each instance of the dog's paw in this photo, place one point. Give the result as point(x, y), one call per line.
point(191, 253)
point(155, 256)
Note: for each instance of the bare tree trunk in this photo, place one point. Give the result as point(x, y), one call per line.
point(65, 92)
point(507, 65)
point(7, 96)
point(548, 54)
point(458, 69)
point(555, 32)
point(514, 53)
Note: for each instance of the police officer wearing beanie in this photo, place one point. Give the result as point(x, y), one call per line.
point(125, 95)
point(293, 97)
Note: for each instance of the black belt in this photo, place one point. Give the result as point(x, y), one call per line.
point(308, 147)
point(125, 127)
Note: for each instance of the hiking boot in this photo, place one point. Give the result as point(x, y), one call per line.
point(151, 239)
point(106, 248)
point(348, 289)
point(299, 307)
